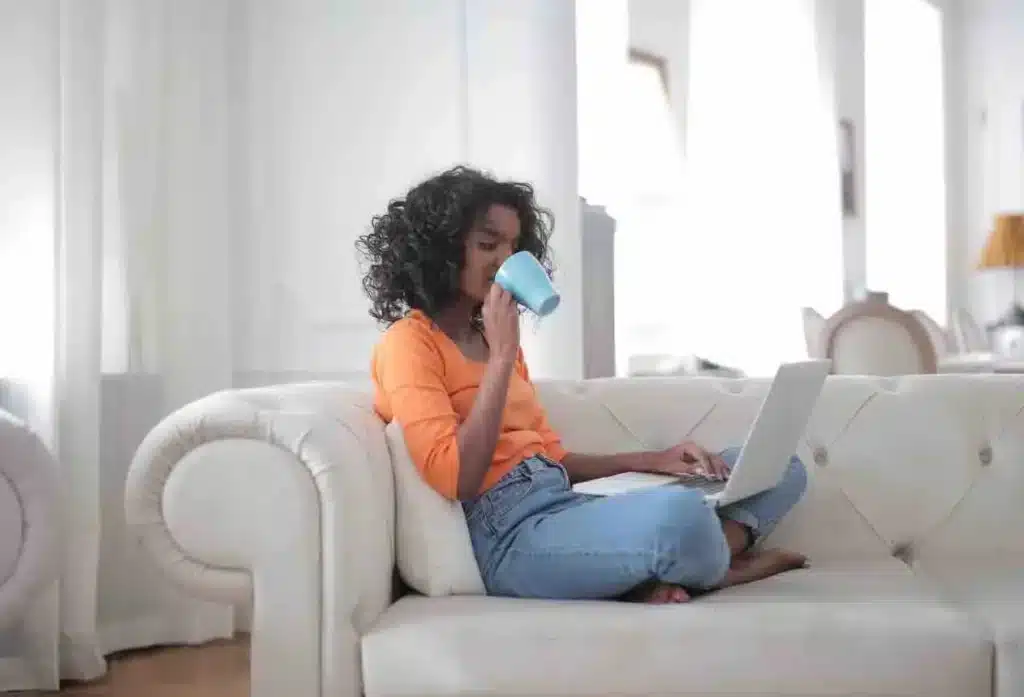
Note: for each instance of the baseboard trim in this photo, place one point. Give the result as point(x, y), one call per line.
point(16, 674)
point(158, 629)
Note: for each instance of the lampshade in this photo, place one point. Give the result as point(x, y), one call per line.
point(1005, 246)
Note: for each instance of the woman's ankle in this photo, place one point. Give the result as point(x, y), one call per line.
point(738, 535)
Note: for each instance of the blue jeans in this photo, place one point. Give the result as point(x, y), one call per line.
point(534, 537)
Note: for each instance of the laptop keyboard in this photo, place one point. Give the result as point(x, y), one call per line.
point(708, 486)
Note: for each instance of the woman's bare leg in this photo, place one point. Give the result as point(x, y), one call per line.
point(747, 565)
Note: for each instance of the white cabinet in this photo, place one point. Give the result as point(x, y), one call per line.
point(598, 238)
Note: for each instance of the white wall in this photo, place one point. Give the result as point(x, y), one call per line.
point(28, 125)
point(850, 104)
point(993, 73)
point(277, 129)
point(956, 115)
point(848, 53)
point(351, 103)
point(520, 72)
point(662, 28)
point(340, 118)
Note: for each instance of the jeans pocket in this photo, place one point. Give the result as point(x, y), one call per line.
point(505, 498)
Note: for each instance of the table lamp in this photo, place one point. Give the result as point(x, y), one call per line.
point(1004, 249)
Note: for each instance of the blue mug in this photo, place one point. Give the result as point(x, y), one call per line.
point(527, 281)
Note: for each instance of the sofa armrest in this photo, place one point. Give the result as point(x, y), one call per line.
point(283, 496)
point(30, 518)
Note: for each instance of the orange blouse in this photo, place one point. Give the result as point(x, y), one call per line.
point(425, 383)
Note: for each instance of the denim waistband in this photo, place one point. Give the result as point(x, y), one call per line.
point(535, 463)
point(528, 465)
point(526, 468)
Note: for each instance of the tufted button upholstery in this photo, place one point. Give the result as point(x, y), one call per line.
point(904, 552)
point(985, 456)
point(896, 458)
point(916, 549)
point(733, 387)
point(889, 384)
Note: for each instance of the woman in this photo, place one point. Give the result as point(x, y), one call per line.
point(449, 369)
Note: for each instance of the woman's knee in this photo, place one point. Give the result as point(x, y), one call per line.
point(691, 548)
point(794, 481)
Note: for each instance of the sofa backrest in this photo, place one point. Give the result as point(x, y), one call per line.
point(913, 467)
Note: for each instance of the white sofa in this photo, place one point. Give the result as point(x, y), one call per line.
point(30, 518)
point(913, 519)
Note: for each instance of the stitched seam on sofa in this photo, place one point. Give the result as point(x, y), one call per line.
point(623, 426)
point(24, 525)
point(256, 428)
point(863, 517)
point(701, 420)
point(1009, 423)
point(853, 417)
point(838, 436)
point(952, 510)
point(387, 449)
point(639, 441)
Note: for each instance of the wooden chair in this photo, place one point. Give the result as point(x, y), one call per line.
point(814, 332)
point(968, 336)
point(871, 337)
point(939, 338)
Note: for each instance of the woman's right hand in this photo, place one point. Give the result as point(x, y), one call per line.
point(501, 323)
point(688, 458)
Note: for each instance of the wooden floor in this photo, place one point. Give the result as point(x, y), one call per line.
point(218, 669)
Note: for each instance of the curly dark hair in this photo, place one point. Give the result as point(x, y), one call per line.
point(416, 250)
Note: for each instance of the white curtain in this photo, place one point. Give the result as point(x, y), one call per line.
point(906, 154)
point(117, 291)
point(762, 236)
point(181, 185)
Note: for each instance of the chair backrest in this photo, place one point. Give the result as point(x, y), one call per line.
point(968, 336)
point(814, 332)
point(650, 364)
point(871, 337)
point(939, 338)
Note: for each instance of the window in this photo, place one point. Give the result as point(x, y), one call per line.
point(905, 154)
point(762, 236)
point(648, 210)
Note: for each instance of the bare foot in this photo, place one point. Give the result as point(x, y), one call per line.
point(757, 565)
point(666, 593)
point(658, 594)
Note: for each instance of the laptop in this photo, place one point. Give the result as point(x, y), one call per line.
point(771, 442)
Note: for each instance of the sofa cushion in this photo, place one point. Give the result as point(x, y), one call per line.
point(992, 593)
point(432, 546)
point(838, 630)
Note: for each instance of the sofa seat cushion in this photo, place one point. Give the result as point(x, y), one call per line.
point(992, 593)
point(873, 630)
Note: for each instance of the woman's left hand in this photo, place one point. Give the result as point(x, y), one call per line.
point(690, 458)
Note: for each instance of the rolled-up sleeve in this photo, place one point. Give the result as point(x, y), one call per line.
point(409, 372)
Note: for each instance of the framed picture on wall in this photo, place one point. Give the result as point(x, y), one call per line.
point(848, 168)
